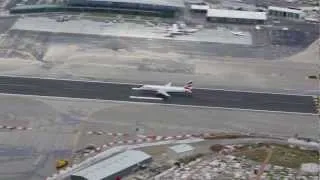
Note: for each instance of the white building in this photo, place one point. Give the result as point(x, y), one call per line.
point(199, 2)
point(310, 168)
point(281, 12)
point(235, 16)
point(119, 165)
point(180, 151)
point(199, 8)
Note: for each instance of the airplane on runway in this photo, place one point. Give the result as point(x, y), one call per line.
point(164, 90)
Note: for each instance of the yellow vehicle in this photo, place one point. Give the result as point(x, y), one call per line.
point(61, 164)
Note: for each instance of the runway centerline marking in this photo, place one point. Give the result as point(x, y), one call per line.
point(147, 98)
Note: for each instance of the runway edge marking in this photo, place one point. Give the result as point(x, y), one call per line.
point(150, 103)
point(136, 84)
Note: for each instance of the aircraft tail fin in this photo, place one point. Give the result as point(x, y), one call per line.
point(188, 86)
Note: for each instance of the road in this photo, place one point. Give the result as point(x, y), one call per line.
point(122, 92)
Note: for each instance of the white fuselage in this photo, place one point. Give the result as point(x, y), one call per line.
point(189, 30)
point(238, 33)
point(163, 88)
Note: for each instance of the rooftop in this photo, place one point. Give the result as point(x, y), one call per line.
point(223, 13)
point(199, 7)
point(113, 165)
point(283, 9)
point(235, 5)
point(38, 6)
point(173, 3)
point(181, 148)
point(199, 2)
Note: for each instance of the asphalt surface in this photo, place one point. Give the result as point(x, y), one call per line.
point(122, 92)
point(6, 23)
point(273, 46)
point(270, 50)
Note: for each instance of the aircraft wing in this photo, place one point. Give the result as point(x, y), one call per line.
point(162, 92)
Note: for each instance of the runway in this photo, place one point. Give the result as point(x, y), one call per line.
point(122, 92)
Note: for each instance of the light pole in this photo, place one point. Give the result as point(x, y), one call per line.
point(318, 111)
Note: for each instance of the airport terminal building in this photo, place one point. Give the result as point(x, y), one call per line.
point(170, 7)
point(289, 13)
point(236, 16)
point(164, 8)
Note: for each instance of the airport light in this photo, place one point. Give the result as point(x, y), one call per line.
point(318, 110)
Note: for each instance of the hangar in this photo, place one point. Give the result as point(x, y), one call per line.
point(171, 7)
point(119, 165)
point(180, 151)
point(235, 16)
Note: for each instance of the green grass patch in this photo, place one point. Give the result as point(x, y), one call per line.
point(188, 159)
point(282, 155)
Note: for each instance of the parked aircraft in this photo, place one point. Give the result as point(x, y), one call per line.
point(63, 18)
point(174, 30)
point(150, 24)
point(186, 30)
point(189, 30)
point(180, 30)
point(108, 23)
point(237, 33)
point(164, 90)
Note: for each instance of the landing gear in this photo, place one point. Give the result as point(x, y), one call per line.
point(188, 94)
point(166, 98)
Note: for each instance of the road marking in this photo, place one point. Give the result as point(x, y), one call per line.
point(150, 103)
point(136, 84)
point(148, 98)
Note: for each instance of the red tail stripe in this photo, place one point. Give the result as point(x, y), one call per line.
point(188, 86)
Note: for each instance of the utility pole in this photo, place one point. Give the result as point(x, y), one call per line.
point(139, 129)
point(318, 109)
